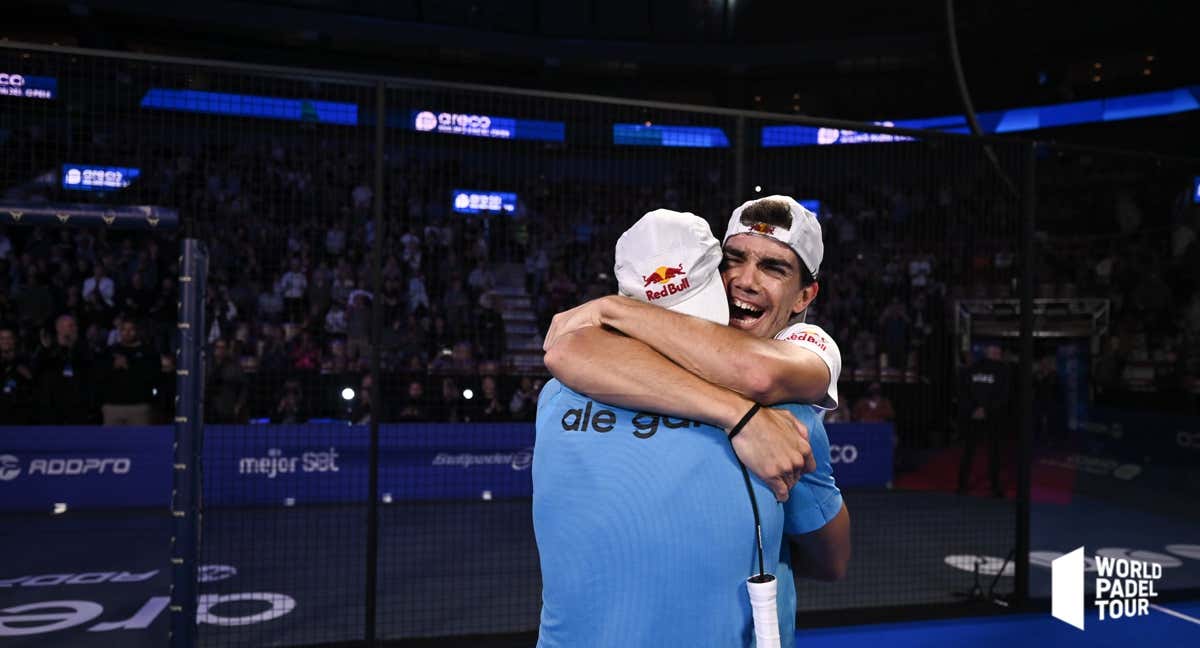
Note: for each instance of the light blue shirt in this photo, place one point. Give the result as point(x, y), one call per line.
point(645, 531)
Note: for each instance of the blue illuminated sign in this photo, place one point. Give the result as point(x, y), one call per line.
point(473, 125)
point(236, 105)
point(29, 87)
point(674, 136)
point(1150, 104)
point(813, 206)
point(811, 135)
point(1196, 190)
point(89, 177)
point(469, 201)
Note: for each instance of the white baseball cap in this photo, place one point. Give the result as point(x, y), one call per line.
point(671, 259)
point(804, 236)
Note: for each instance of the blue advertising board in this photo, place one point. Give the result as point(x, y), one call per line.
point(861, 454)
point(15, 84)
point(479, 125)
point(470, 201)
point(669, 136)
point(286, 465)
point(92, 177)
point(262, 107)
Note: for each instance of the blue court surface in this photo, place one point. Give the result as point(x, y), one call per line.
point(1159, 628)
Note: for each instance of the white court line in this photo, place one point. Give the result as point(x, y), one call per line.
point(1176, 614)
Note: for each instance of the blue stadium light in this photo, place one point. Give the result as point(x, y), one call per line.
point(1013, 120)
point(1196, 190)
point(90, 177)
point(238, 105)
point(13, 84)
point(673, 136)
point(470, 201)
point(813, 206)
point(810, 136)
point(477, 125)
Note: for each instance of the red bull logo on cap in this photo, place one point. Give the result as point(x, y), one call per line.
point(663, 276)
point(763, 228)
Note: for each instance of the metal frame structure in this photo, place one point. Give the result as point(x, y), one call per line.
point(186, 504)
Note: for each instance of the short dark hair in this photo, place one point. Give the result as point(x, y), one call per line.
point(779, 214)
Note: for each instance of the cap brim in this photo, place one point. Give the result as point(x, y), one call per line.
point(709, 302)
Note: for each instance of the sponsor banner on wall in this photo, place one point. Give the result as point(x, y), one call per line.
point(861, 454)
point(286, 465)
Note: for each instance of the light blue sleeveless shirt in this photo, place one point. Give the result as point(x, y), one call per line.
point(645, 530)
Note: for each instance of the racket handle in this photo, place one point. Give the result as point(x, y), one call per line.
point(763, 605)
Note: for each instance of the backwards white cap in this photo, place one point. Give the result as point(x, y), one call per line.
point(804, 236)
point(671, 259)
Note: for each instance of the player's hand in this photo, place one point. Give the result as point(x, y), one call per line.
point(774, 446)
point(569, 321)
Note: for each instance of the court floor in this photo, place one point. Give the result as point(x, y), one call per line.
point(295, 576)
point(1174, 624)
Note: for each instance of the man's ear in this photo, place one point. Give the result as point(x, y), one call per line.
point(805, 297)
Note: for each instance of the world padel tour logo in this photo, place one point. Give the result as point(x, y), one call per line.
point(1123, 587)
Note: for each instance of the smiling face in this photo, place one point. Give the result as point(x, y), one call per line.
point(763, 280)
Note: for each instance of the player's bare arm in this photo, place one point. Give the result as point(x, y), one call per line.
point(773, 444)
point(823, 554)
point(764, 370)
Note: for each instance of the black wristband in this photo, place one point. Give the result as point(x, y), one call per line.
point(745, 419)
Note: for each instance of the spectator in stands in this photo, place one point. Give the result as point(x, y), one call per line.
point(305, 354)
point(100, 284)
point(358, 325)
point(225, 391)
point(363, 408)
point(451, 405)
point(291, 406)
point(415, 407)
point(34, 301)
point(16, 381)
point(894, 323)
point(63, 377)
point(335, 320)
point(166, 307)
point(489, 407)
point(127, 375)
point(135, 299)
point(293, 287)
point(489, 328)
point(874, 407)
point(6, 246)
point(523, 404)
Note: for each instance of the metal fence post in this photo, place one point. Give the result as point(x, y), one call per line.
point(376, 391)
point(189, 422)
point(739, 162)
point(1025, 445)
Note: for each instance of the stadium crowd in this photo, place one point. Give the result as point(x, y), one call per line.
point(87, 317)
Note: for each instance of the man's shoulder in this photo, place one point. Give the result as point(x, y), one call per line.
point(809, 335)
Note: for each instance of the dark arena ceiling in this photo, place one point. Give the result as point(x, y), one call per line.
point(866, 59)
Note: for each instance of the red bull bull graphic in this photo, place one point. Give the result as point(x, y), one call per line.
point(663, 276)
point(763, 228)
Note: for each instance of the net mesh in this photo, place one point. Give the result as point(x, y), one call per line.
point(500, 209)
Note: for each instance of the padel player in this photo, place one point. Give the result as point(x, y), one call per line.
point(645, 531)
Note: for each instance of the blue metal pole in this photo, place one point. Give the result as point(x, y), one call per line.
point(189, 421)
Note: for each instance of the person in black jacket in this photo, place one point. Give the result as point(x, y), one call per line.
point(127, 374)
point(982, 402)
point(16, 382)
point(63, 377)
